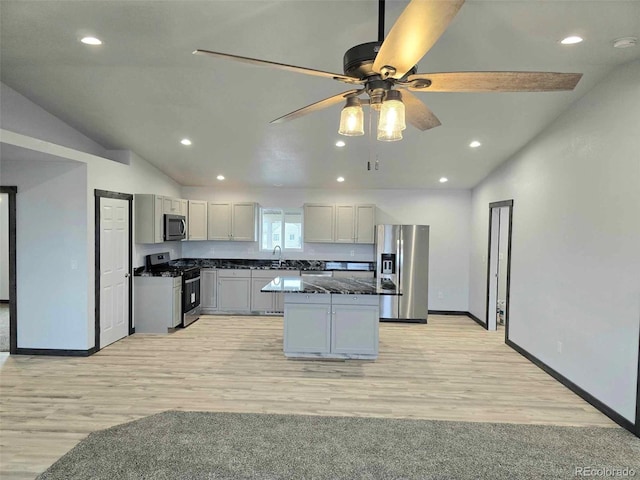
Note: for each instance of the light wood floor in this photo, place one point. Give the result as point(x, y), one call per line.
point(450, 369)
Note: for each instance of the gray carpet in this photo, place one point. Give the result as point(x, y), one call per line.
point(198, 445)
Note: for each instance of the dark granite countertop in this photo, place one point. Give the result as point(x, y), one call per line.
point(305, 265)
point(344, 286)
point(145, 273)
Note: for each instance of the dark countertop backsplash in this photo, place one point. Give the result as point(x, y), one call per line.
point(238, 263)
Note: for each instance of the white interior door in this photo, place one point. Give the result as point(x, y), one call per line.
point(493, 270)
point(114, 270)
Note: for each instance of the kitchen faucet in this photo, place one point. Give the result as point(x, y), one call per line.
point(279, 256)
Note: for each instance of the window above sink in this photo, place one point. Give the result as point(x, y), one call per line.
point(281, 227)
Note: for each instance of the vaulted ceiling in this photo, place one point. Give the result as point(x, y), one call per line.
point(143, 90)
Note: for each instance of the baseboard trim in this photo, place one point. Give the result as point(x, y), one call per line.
point(55, 352)
point(448, 312)
point(477, 320)
point(459, 313)
point(608, 411)
point(404, 320)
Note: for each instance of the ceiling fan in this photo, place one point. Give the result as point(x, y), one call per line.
point(380, 68)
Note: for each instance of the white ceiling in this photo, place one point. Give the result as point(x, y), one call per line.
point(143, 90)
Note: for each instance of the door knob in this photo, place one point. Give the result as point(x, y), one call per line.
point(127, 275)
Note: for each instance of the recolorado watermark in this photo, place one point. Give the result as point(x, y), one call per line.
point(588, 471)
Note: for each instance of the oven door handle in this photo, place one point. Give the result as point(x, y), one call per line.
point(197, 279)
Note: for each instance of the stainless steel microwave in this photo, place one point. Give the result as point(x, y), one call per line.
point(175, 227)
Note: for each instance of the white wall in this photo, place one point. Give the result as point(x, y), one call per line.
point(38, 166)
point(446, 211)
point(4, 246)
point(576, 235)
point(22, 116)
point(51, 252)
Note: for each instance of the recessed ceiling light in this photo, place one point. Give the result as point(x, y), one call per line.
point(443, 179)
point(572, 40)
point(340, 143)
point(91, 41)
point(220, 177)
point(340, 179)
point(625, 42)
point(185, 141)
point(475, 144)
point(277, 184)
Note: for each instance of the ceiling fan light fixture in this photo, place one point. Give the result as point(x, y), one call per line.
point(392, 117)
point(352, 118)
point(389, 135)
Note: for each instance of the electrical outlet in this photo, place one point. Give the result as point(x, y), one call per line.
point(74, 264)
point(559, 346)
point(440, 295)
point(353, 253)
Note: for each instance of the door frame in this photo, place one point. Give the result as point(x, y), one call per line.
point(503, 203)
point(98, 194)
point(12, 192)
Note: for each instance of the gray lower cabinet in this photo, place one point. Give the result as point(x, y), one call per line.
point(354, 324)
point(268, 302)
point(234, 291)
point(307, 325)
point(331, 325)
point(209, 290)
point(157, 303)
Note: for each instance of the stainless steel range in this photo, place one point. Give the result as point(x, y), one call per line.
point(159, 263)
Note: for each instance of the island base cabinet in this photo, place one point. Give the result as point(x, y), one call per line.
point(331, 326)
point(307, 326)
point(354, 328)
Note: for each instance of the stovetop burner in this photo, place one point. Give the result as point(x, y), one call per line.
point(159, 262)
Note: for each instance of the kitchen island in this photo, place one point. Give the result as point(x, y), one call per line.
point(326, 317)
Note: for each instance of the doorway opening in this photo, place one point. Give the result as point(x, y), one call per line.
point(499, 266)
point(113, 264)
point(8, 299)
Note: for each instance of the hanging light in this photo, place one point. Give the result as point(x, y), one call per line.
point(391, 121)
point(352, 118)
point(389, 135)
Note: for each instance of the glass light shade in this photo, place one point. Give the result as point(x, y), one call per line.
point(392, 113)
point(352, 119)
point(389, 135)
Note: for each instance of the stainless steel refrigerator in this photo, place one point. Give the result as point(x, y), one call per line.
point(402, 256)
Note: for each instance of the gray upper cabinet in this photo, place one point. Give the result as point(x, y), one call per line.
point(219, 215)
point(232, 221)
point(319, 223)
point(171, 206)
point(341, 223)
point(365, 222)
point(345, 224)
point(149, 211)
point(244, 222)
point(197, 220)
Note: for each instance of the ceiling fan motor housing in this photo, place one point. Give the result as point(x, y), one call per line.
point(358, 60)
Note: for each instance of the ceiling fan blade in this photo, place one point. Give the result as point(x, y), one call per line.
point(314, 107)
point(281, 66)
point(417, 113)
point(494, 81)
point(417, 29)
